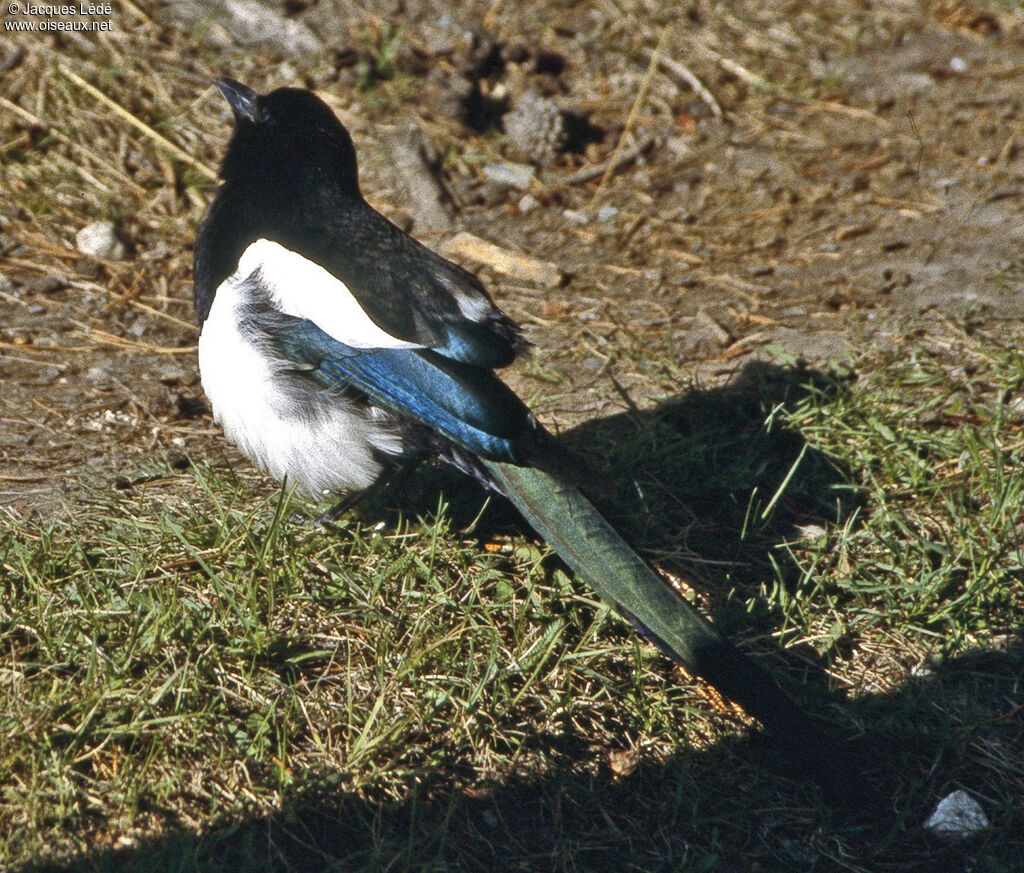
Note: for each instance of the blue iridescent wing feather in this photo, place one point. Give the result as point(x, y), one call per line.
point(468, 405)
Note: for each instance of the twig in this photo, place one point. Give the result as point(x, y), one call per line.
point(588, 173)
point(41, 350)
point(684, 73)
point(843, 109)
point(634, 110)
point(141, 126)
point(34, 362)
point(84, 173)
point(504, 260)
point(739, 71)
point(145, 307)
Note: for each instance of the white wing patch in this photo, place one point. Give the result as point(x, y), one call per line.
point(325, 443)
point(476, 308)
point(302, 288)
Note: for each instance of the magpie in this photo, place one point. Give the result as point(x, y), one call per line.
point(334, 347)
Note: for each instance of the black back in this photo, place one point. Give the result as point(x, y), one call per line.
point(290, 175)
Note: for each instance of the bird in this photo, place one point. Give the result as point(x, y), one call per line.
point(335, 348)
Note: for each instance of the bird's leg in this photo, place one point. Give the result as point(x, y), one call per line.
point(327, 519)
point(387, 481)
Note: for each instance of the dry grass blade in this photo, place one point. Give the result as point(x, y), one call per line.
point(737, 69)
point(687, 75)
point(645, 86)
point(623, 157)
point(141, 126)
point(102, 337)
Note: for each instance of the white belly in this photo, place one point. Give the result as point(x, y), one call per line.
point(326, 444)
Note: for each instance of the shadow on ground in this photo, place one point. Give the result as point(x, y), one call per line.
point(698, 484)
point(708, 485)
point(689, 813)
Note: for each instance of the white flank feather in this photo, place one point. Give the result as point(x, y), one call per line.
point(325, 445)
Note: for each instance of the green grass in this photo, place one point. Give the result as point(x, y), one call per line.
point(193, 676)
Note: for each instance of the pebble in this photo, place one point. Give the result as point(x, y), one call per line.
point(956, 816)
point(99, 240)
point(249, 23)
point(446, 37)
point(46, 284)
point(577, 216)
point(527, 203)
point(409, 152)
point(514, 175)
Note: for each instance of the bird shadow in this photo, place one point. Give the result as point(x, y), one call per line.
point(696, 811)
point(710, 484)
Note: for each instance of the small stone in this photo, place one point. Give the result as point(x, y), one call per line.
point(514, 175)
point(445, 37)
point(577, 216)
point(100, 376)
point(99, 240)
point(410, 157)
point(249, 23)
point(958, 815)
point(139, 326)
point(527, 203)
point(46, 284)
point(48, 375)
point(704, 337)
point(6, 284)
point(623, 762)
point(810, 533)
point(607, 213)
point(453, 93)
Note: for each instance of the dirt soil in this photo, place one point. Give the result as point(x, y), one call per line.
point(853, 180)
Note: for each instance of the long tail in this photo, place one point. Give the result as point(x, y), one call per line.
point(592, 548)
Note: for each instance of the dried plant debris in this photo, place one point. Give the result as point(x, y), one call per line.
point(535, 127)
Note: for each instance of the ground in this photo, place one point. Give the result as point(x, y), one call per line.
point(862, 189)
point(842, 207)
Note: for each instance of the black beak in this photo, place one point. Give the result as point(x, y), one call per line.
point(241, 99)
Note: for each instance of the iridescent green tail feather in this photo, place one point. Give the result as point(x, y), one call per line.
point(592, 548)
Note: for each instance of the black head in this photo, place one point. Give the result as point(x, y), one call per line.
point(285, 137)
point(289, 171)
